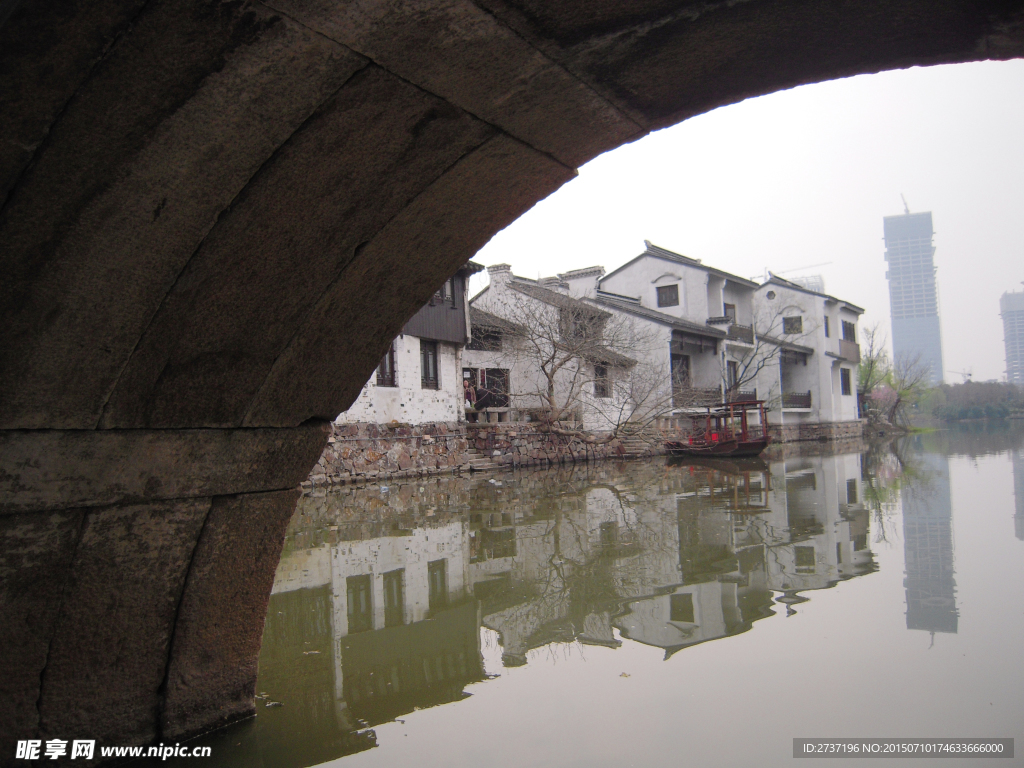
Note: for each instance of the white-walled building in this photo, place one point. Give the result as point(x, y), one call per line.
point(817, 369)
point(708, 334)
point(419, 379)
point(544, 322)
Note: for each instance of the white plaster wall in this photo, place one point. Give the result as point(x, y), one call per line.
point(742, 298)
point(815, 377)
point(642, 278)
point(409, 402)
point(526, 381)
point(303, 569)
point(378, 556)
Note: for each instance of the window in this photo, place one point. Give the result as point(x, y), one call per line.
point(445, 294)
point(732, 373)
point(804, 558)
point(437, 581)
point(579, 324)
point(844, 381)
point(428, 365)
point(360, 611)
point(730, 311)
point(849, 331)
point(602, 384)
point(386, 376)
point(485, 340)
point(668, 296)
point(792, 325)
point(681, 608)
point(827, 334)
point(394, 598)
point(851, 491)
point(609, 533)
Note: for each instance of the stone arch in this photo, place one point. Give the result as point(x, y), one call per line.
point(214, 216)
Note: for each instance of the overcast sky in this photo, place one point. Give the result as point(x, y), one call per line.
point(804, 177)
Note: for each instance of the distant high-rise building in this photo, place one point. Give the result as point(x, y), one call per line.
point(913, 298)
point(1011, 307)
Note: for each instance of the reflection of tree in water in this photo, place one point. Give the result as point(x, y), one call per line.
point(665, 554)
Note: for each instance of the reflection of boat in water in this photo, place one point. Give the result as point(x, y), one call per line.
point(729, 429)
point(730, 465)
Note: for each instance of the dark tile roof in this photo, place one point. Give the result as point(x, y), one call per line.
point(661, 317)
point(780, 281)
point(610, 357)
point(554, 298)
point(480, 319)
point(663, 253)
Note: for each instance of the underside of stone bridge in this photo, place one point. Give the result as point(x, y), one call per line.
point(214, 216)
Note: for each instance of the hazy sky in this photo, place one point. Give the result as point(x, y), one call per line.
point(804, 176)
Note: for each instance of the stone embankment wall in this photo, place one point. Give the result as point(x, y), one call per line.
point(369, 452)
point(829, 431)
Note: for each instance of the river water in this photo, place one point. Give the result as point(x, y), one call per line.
point(655, 613)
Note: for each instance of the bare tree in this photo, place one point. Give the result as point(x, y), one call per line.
point(580, 371)
point(765, 340)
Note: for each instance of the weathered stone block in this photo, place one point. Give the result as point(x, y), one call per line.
point(211, 676)
point(36, 552)
point(108, 657)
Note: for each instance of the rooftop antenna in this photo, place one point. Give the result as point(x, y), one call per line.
point(906, 208)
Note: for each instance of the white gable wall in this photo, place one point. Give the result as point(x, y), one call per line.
point(409, 402)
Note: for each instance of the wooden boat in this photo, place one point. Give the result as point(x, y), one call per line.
point(728, 429)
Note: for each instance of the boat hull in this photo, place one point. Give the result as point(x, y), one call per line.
point(720, 448)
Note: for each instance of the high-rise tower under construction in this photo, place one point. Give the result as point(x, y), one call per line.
point(913, 298)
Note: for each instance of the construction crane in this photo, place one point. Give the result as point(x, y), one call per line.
point(966, 374)
point(906, 208)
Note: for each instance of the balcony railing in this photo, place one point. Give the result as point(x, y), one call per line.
point(741, 396)
point(741, 333)
point(796, 399)
point(849, 350)
point(688, 396)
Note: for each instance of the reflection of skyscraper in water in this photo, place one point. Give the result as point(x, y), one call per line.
point(1018, 493)
point(928, 548)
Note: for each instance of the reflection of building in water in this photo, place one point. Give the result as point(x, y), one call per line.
point(691, 557)
point(928, 548)
point(346, 643)
point(799, 526)
point(1018, 493)
point(379, 597)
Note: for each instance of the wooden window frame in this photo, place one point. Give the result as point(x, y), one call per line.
point(668, 295)
point(429, 349)
point(387, 374)
point(602, 380)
